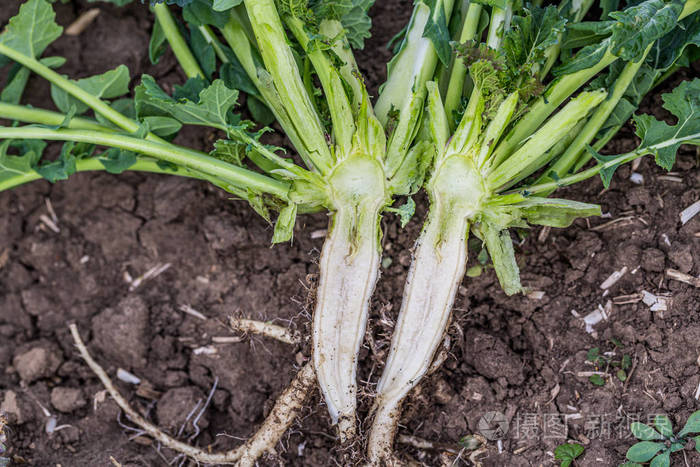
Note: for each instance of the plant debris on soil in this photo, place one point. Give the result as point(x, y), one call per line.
point(517, 373)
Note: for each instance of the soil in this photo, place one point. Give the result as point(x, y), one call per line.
point(518, 356)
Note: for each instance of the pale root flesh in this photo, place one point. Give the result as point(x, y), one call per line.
point(349, 269)
point(437, 269)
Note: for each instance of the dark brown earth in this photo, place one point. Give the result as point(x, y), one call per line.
point(519, 356)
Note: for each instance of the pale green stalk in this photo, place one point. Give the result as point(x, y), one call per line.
point(453, 98)
point(595, 122)
point(404, 92)
point(26, 114)
point(341, 114)
point(546, 137)
point(280, 63)
point(167, 152)
point(558, 91)
point(94, 164)
point(74, 90)
point(180, 48)
point(595, 170)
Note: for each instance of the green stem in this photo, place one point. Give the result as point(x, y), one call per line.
point(560, 89)
point(595, 122)
point(74, 90)
point(598, 145)
point(282, 67)
point(93, 164)
point(25, 114)
point(593, 171)
point(180, 48)
point(180, 156)
point(544, 138)
point(458, 75)
point(500, 23)
point(348, 70)
point(236, 36)
point(341, 114)
point(209, 37)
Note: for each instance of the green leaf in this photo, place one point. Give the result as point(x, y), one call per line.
point(12, 166)
point(201, 13)
point(530, 36)
point(663, 140)
point(16, 82)
point(567, 453)
point(61, 168)
point(500, 248)
point(235, 77)
point(593, 354)
point(697, 443)
point(644, 432)
point(210, 110)
point(436, 30)
point(412, 172)
point(626, 362)
point(32, 30)
point(204, 51)
point(405, 211)
point(692, 425)
point(587, 57)
point(259, 111)
point(586, 33)
point(116, 2)
point(357, 23)
point(223, 5)
point(163, 126)
point(116, 161)
point(606, 173)
point(643, 451)
point(284, 227)
point(662, 460)
point(675, 447)
point(664, 425)
point(667, 50)
point(621, 375)
point(596, 380)
point(190, 90)
point(157, 44)
point(352, 14)
point(232, 152)
point(114, 83)
point(640, 25)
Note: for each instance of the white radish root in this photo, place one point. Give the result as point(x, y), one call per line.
point(437, 269)
point(349, 269)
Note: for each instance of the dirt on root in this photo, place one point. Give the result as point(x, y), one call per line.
point(515, 364)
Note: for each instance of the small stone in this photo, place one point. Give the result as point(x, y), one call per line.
point(175, 406)
point(67, 399)
point(682, 257)
point(40, 361)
